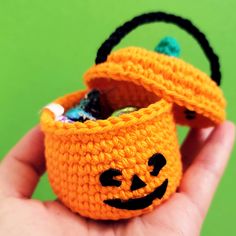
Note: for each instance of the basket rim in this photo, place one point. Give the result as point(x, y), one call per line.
point(50, 125)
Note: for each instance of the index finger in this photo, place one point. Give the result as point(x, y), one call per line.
point(202, 177)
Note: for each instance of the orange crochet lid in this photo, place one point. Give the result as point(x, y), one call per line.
point(168, 77)
point(198, 100)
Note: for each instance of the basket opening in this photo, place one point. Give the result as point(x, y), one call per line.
point(119, 94)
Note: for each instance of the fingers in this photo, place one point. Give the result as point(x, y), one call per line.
point(193, 144)
point(21, 169)
point(202, 177)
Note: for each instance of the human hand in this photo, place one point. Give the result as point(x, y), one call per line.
point(205, 154)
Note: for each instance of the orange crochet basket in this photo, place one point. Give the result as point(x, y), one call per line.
point(94, 167)
point(125, 166)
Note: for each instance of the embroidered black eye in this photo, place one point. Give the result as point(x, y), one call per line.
point(158, 161)
point(190, 115)
point(107, 178)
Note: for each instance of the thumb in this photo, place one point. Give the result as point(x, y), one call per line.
point(21, 169)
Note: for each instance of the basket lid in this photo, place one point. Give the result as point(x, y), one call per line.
point(199, 102)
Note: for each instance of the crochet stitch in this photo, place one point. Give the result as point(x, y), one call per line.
point(168, 46)
point(78, 154)
point(185, 24)
point(168, 77)
point(126, 165)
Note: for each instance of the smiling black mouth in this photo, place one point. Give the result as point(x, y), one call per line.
point(139, 203)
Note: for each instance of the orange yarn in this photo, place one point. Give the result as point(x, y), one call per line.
point(78, 154)
point(168, 77)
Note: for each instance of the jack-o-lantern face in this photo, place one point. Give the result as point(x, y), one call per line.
point(118, 168)
point(108, 178)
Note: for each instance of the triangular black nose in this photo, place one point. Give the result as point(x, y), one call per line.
point(137, 183)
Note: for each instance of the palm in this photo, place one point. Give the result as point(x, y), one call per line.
point(53, 218)
point(182, 214)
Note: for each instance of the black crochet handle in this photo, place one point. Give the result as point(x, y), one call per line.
point(185, 24)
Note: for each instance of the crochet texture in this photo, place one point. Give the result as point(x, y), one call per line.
point(125, 166)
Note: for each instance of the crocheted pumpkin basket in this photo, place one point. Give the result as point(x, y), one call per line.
point(125, 166)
